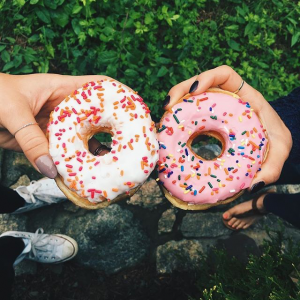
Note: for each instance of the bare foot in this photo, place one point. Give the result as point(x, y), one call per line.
point(243, 222)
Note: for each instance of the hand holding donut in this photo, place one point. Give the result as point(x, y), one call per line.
point(26, 103)
point(280, 140)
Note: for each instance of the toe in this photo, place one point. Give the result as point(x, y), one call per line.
point(240, 225)
point(236, 223)
point(246, 226)
point(237, 210)
point(231, 221)
point(230, 213)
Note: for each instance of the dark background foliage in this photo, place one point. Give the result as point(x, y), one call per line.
point(152, 45)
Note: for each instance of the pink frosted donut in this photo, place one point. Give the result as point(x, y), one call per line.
point(188, 180)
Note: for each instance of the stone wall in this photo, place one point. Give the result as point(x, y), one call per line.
point(146, 227)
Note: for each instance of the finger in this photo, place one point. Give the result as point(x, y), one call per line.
point(227, 79)
point(271, 168)
point(97, 148)
point(7, 141)
point(32, 140)
point(223, 77)
point(63, 85)
point(177, 92)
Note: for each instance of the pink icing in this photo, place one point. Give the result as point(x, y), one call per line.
point(197, 181)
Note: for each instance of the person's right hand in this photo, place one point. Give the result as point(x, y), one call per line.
point(26, 99)
point(279, 137)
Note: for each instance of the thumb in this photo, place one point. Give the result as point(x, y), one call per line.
point(33, 142)
point(271, 168)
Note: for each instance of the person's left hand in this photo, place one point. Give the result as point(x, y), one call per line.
point(28, 99)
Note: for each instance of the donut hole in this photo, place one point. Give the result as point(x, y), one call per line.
point(104, 137)
point(207, 145)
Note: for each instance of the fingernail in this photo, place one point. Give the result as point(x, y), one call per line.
point(167, 101)
point(257, 186)
point(46, 166)
point(194, 86)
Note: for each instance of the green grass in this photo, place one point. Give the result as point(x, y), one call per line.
point(153, 45)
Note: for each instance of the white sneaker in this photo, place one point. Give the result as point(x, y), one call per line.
point(39, 193)
point(45, 248)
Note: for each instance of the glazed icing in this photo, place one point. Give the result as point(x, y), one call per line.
point(198, 181)
point(110, 105)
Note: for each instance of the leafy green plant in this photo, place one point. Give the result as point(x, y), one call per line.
point(153, 45)
point(268, 276)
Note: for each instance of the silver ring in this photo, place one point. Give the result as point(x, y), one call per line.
point(240, 87)
point(100, 148)
point(24, 126)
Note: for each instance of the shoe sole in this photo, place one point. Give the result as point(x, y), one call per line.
point(74, 244)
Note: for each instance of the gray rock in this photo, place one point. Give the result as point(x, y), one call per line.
point(17, 223)
point(209, 151)
point(14, 165)
point(166, 222)
point(294, 234)
point(239, 245)
point(259, 236)
point(109, 239)
point(148, 196)
point(69, 206)
point(12, 223)
point(182, 255)
point(56, 268)
point(26, 267)
point(203, 224)
point(23, 180)
point(112, 239)
point(288, 189)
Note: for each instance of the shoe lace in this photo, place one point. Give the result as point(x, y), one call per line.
point(44, 243)
point(29, 193)
point(37, 185)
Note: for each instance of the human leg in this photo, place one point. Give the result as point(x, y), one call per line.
point(245, 214)
point(290, 174)
point(285, 206)
point(10, 249)
point(10, 200)
point(16, 246)
point(25, 198)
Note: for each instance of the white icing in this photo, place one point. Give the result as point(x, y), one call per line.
point(107, 171)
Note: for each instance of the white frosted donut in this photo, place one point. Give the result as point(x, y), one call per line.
point(102, 106)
